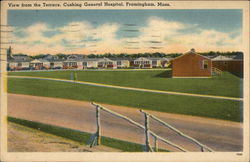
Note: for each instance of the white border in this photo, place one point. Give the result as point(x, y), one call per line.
point(217, 156)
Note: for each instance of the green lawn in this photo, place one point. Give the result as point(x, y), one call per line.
point(224, 85)
point(206, 107)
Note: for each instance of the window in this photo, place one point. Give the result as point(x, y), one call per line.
point(19, 64)
point(85, 63)
point(205, 64)
point(119, 63)
point(72, 63)
point(154, 62)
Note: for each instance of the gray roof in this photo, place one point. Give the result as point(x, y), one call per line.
point(43, 60)
point(22, 58)
point(120, 59)
point(75, 56)
point(238, 57)
point(222, 58)
point(81, 60)
point(19, 60)
point(158, 58)
point(55, 60)
point(115, 59)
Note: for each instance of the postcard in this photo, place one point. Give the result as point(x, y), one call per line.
point(124, 80)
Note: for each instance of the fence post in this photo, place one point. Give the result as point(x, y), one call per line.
point(148, 148)
point(156, 144)
point(98, 124)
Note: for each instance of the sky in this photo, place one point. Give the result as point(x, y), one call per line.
point(124, 31)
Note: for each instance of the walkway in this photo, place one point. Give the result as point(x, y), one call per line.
point(220, 135)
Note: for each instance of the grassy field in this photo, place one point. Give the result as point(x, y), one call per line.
point(206, 107)
point(223, 85)
point(81, 137)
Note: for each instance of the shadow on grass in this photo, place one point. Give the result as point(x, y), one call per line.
point(81, 137)
point(165, 74)
point(168, 74)
point(238, 74)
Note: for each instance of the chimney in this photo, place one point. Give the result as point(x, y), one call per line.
point(192, 50)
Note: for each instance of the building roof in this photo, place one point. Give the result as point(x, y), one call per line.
point(43, 60)
point(36, 61)
point(55, 60)
point(222, 58)
point(142, 59)
point(238, 57)
point(20, 59)
point(90, 59)
point(105, 59)
point(158, 58)
point(75, 56)
point(51, 57)
point(121, 59)
point(192, 51)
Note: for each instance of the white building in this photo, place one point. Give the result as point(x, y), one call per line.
point(106, 63)
point(122, 62)
point(142, 62)
point(80, 62)
point(90, 63)
point(18, 62)
point(159, 62)
point(39, 64)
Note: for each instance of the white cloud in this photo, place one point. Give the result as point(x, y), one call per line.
point(72, 37)
point(177, 37)
point(173, 35)
point(206, 40)
point(160, 26)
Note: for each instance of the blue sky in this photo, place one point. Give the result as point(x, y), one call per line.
point(179, 30)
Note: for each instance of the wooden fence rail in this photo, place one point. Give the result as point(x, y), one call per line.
point(178, 132)
point(216, 70)
point(97, 139)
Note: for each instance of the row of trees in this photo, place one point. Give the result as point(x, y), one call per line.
point(212, 53)
point(125, 55)
point(137, 55)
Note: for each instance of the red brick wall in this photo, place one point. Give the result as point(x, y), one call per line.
point(190, 65)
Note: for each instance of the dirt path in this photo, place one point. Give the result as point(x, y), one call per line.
point(218, 134)
point(24, 139)
point(131, 88)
